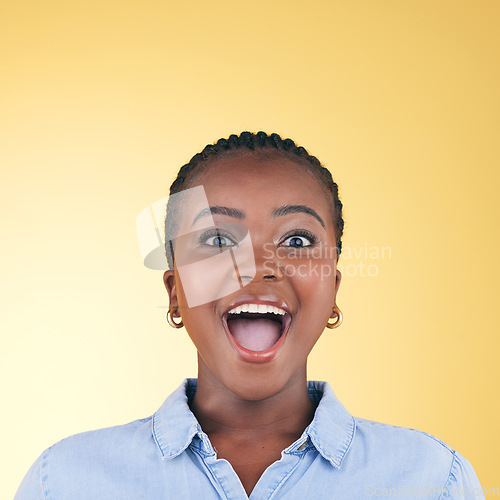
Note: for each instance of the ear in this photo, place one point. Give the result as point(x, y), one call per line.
point(170, 285)
point(338, 277)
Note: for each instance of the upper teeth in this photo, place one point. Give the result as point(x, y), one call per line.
point(256, 308)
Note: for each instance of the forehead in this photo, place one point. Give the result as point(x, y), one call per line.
point(259, 182)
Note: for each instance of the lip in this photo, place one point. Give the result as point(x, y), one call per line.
point(268, 300)
point(272, 352)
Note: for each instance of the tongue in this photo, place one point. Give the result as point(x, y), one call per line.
point(257, 334)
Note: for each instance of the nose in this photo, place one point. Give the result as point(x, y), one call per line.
point(268, 274)
point(264, 266)
point(267, 266)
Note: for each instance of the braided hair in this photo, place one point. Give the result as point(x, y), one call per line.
point(271, 144)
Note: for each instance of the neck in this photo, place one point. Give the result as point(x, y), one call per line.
point(220, 411)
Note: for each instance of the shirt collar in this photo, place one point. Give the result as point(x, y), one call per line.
point(331, 431)
point(174, 424)
point(333, 427)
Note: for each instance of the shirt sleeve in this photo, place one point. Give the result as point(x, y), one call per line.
point(31, 487)
point(462, 481)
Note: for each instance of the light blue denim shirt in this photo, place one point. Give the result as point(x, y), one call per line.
point(168, 456)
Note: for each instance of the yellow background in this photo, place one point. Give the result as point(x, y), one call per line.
point(102, 102)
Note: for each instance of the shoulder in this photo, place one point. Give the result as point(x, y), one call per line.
point(110, 440)
point(409, 449)
point(82, 458)
point(403, 443)
point(399, 438)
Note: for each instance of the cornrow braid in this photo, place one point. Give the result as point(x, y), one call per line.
point(248, 141)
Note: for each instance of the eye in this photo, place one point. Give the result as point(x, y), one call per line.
point(299, 239)
point(217, 239)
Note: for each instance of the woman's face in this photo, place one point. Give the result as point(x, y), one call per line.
point(256, 350)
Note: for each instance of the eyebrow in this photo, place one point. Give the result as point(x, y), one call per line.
point(231, 212)
point(278, 212)
point(297, 209)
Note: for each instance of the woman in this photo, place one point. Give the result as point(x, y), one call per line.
point(253, 233)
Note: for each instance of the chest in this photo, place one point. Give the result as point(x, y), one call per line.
point(249, 460)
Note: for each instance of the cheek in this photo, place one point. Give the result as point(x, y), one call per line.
point(198, 325)
point(195, 319)
point(313, 279)
point(314, 284)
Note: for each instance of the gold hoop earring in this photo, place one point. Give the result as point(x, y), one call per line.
point(339, 319)
point(170, 319)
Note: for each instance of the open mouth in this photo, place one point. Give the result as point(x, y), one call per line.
point(257, 327)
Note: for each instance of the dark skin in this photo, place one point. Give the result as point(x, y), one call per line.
point(252, 411)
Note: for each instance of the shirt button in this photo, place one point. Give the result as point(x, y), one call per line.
point(303, 445)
